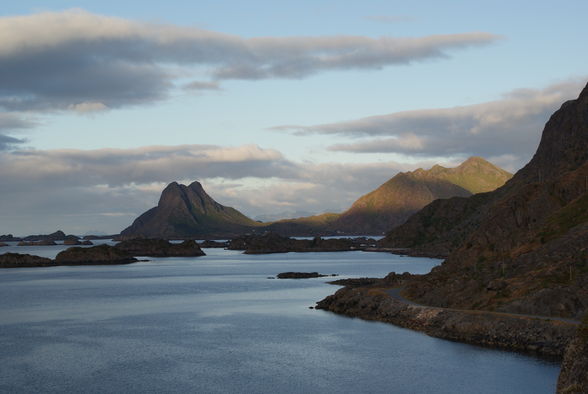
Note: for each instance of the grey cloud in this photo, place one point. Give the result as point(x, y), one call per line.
point(10, 122)
point(106, 189)
point(510, 126)
point(57, 61)
point(200, 85)
point(8, 142)
point(116, 167)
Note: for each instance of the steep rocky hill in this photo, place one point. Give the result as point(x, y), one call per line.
point(522, 248)
point(188, 211)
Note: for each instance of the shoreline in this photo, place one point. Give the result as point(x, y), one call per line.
point(532, 335)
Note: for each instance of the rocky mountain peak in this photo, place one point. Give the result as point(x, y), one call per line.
point(564, 143)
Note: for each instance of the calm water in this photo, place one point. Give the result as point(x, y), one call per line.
point(216, 324)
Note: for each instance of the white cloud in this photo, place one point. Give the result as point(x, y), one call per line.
point(509, 127)
point(83, 61)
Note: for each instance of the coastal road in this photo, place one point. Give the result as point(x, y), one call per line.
point(395, 293)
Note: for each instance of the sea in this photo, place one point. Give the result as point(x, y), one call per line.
point(222, 324)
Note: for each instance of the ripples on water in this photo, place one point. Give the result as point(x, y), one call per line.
point(216, 324)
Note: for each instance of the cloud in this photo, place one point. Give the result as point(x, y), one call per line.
point(81, 61)
point(390, 18)
point(199, 85)
point(116, 167)
point(10, 122)
point(509, 127)
point(8, 142)
point(88, 107)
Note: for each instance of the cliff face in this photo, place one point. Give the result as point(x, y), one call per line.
point(188, 211)
point(573, 378)
point(521, 248)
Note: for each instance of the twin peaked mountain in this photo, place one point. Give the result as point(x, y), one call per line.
point(188, 211)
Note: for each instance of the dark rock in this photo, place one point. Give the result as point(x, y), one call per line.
point(46, 242)
point(274, 243)
point(574, 369)
point(95, 237)
point(160, 248)
point(95, 255)
point(510, 332)
point(300, 275)
point(56, 236)
point(9, 238)
point(213, 244)
point(16, 260)
point(73, 242)
point(356, 282)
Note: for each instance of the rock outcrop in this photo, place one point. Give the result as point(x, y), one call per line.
point(160, 248)
point(273, 243)
point(510, 332)
point(95, 255)
point(73, 242)
point(56, 236)
point(301, 275)
point(9, 238)
point(46, 242)
point(189, 212)
point(213, 244)
point(573, 378)
point(17, 260)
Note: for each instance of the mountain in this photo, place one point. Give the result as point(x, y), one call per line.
point(187, 211)
point(396, 200)
point(521, 248)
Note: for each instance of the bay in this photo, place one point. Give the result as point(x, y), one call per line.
point(217, 324)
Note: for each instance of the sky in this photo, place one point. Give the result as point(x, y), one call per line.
point(280, 109)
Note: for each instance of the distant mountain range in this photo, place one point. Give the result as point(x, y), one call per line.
point(395, 201)
point(187, 211)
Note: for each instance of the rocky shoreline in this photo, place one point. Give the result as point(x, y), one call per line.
point(504, 331)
